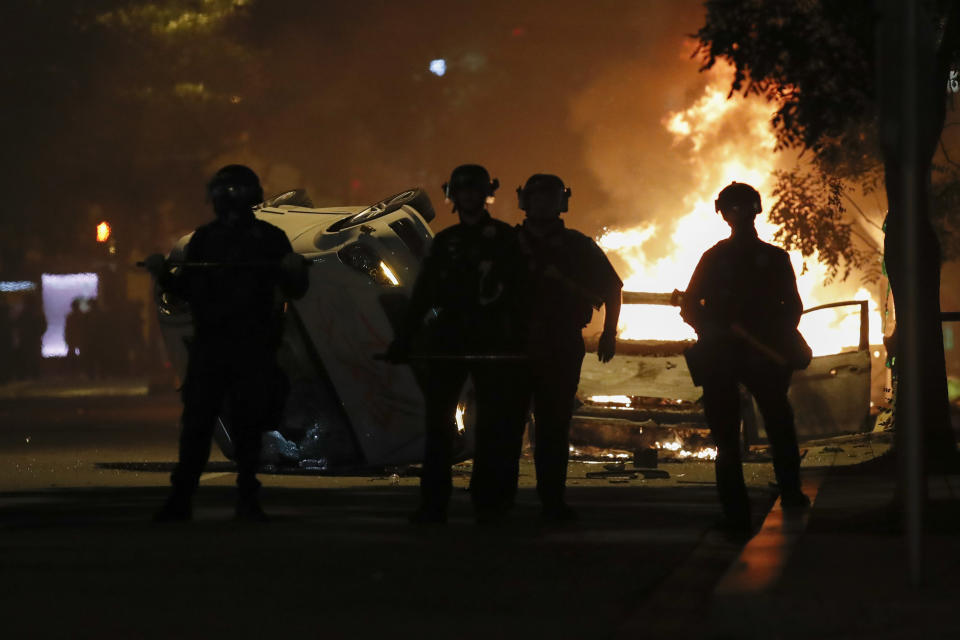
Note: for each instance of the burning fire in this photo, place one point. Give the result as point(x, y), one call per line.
point(717, 162)
point(458, 416)
point(618, 401)
point(705, 453)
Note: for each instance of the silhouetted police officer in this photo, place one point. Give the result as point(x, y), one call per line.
point(237, 306)
point(743, 303)
point(467, 279)
point(566, 276)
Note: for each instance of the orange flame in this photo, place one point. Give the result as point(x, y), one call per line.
point(103, 232)
point(718, 162)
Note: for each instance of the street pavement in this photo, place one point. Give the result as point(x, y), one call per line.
point(841, 570)
point(81, 475)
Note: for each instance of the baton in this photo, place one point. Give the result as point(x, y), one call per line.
point(466, 357)
point(644, 297)
point(769, 352)
point(255, 264)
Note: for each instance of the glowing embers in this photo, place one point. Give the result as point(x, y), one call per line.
point(677, 450)
point(461, 427)
point(598, 455)
point(638, 402)
point(614, 402)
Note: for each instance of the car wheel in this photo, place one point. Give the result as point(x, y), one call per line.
point(421, 202)
point(416, 198)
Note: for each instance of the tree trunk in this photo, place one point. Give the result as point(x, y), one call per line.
point(939, 441)
point(912, 83)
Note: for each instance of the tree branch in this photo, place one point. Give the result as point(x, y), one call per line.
point(943, 148)
point(860, 211)
point(870, 241)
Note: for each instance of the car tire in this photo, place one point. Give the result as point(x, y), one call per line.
point(421, 202)
point(415, 198)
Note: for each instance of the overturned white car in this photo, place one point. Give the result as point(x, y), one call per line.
point(346, 410)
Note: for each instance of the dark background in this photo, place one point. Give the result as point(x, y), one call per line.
point(121, 110)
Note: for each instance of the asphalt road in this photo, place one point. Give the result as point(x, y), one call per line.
point(79, 479)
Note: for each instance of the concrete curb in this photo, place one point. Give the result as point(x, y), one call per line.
point(734, 608)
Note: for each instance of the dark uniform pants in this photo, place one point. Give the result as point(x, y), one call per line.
point(554, 374)
point(497, 434)
point(231, 377)
point(721, 405)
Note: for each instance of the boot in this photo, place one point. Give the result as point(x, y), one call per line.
point(249, 510)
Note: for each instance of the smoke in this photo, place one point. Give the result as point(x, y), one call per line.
point(339, 98)
point(580, 90)
point(666, 139)
point(575, 89)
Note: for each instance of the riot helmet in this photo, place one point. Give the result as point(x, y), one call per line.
point(540, 183)
point(470, 176)
point(234, 188)
point(738, 194)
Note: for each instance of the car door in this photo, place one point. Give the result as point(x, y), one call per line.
point(832, 395)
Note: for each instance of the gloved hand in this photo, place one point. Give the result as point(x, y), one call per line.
point(156, 264)
point(293, 265)
point(607, 347)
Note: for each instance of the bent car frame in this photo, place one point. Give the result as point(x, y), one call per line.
point(646, 398)
point(346, 410)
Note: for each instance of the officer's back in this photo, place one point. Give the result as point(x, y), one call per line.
point(745, 281)
point(235, 300)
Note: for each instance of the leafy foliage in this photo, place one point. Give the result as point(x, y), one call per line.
point(815, 59)
point(945, 207)
point(147, 90)
point(812, 218)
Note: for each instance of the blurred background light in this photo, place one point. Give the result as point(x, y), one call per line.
point(103, 231)
point(9, 286)
point(59, 290)
point(438, 67)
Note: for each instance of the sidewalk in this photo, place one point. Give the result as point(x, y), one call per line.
point(839, 571)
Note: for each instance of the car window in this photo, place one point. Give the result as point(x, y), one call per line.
point(834, 328)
